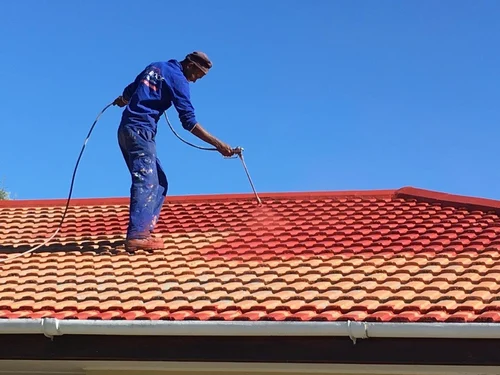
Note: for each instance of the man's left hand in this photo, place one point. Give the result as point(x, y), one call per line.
point(120, 102)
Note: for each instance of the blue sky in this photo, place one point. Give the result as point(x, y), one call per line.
point(323, 95)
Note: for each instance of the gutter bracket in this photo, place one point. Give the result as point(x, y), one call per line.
point(50, 328)
point(351, 334)
point(349, 330)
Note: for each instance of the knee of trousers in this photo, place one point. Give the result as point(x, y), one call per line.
point(144, 168)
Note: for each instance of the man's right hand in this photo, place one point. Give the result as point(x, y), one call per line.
point(120, 102)
point(224, 149)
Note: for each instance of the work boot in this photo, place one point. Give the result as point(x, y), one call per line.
point(149, 243)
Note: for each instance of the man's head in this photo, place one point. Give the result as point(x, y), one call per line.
point(195, 65)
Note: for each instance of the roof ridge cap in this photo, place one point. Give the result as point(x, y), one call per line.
point(455, 200)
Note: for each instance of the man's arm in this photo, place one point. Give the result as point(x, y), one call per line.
point(129, 90)
point(123, 99)
point(201, 133)
point(182, 103)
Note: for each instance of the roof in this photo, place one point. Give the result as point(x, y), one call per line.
point(389, 255)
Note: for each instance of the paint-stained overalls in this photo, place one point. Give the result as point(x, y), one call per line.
point(154, 90)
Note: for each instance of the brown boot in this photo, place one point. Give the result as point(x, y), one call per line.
point(149, 243)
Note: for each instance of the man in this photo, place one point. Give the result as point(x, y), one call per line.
point(154, 90)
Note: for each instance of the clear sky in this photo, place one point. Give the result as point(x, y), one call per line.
point(323, 95)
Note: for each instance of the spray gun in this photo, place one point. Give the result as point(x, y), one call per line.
point(239, 152)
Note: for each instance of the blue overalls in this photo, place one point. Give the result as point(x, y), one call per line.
point(154, 90)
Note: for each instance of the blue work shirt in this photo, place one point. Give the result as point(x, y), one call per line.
point(154, 90)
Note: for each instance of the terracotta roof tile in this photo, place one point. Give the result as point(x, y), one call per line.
point(404, 255)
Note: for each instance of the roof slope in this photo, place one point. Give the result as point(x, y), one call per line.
point(403, 255)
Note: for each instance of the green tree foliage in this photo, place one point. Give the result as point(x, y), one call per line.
point(4, 194)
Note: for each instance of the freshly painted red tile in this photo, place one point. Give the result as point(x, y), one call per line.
point(133, 315)
point(489, 316)
point(65, 314)
point(279, 315)
point(230, 314)
point(252, 315)
point(472, 304)
point(371, 304)
point(462, 317)
point(329, 315)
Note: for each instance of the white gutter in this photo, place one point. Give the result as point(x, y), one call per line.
point(355, 330)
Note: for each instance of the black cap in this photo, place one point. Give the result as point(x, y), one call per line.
point(201, 60)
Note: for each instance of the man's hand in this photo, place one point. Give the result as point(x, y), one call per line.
point(224, 149)
point(120, 102)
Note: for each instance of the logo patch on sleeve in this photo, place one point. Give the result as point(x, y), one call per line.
point(152, 79)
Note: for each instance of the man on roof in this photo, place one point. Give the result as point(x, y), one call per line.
point(153, 91)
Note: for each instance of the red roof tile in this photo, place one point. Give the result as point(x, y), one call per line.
point(403, 255)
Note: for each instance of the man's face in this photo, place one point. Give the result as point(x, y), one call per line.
point(194, 73)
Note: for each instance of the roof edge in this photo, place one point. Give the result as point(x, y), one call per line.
point(455, 200)
point(408, 192)
point(354, 329)
point(199, 198)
